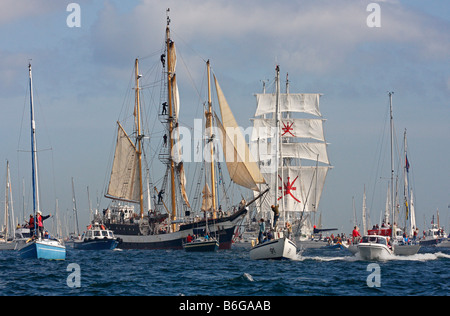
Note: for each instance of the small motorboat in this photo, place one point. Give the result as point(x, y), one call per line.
point(202, 244)
point(97, 237)
point(278, 249)
point(374, 247)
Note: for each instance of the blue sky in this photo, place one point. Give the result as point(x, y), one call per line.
point(82, 76)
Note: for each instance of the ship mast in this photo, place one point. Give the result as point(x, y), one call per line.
point(33, 150)
point(277, 137)
point(139, 137)
point(169, 86)
point(392, 164)
point(209, 125)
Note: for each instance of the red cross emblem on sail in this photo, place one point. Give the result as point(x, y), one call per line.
point(288, 188)
point(287, 128)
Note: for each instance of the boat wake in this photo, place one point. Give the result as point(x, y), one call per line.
point(421, 257)
point(417, 257)
point(300, 257)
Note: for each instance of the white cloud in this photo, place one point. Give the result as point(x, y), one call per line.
point(13, 10)
point(309, 35)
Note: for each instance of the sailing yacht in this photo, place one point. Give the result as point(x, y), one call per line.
point(389, 240)
point(7, 240)
point(164, 226)
point(38, 247)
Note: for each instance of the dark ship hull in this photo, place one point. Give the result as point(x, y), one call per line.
point(132, 235)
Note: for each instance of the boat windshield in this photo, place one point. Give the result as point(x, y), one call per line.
point(104, 233)
point(374, 239)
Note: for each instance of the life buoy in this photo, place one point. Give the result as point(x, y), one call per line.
point(103, 227)
point(89, 227)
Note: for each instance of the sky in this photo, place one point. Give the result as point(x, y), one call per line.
point(81, 78)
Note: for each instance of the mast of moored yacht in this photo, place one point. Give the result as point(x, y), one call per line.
point(33, 150)
point(208, 116)
point(169, 88)
point(405, 185)
point(392, 165)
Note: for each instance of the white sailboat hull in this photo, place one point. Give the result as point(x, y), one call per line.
point(281, 248)
point(406, 250)
point(9, 245)
point(353, 249)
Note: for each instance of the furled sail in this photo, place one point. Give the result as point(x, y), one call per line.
point(289, 102)
point(241, 165)
point(206, 199)
point(182, 175)
point(293, 127)
point(124, 179)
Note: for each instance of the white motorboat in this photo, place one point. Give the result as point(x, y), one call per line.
point(277, 249)
point(433, 236)
point(374, 247)
point(21, 236)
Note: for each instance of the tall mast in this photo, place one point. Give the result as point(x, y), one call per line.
point(392, 163)
point(6, 200)
point(75, 211)
point(209, 124)
point(277, 135)
point(139, 137)
point(405, 188)
point(33, 149)
point(169, 86)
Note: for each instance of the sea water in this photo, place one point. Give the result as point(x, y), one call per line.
point(315, 272)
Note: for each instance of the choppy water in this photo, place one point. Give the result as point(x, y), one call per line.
point(224, 273)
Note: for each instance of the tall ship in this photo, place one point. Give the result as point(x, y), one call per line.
point(165, 218)
point(289, 141)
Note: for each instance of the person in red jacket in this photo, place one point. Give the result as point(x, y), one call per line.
point(31, 225)
point(40, 223)
point(356, 236)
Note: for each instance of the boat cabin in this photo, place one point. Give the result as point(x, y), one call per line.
point(23, 233)
point(434, 232)
point(97, 231)
point(375, 239)
point(119, 213)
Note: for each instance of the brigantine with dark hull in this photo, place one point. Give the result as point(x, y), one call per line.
point(170, 221)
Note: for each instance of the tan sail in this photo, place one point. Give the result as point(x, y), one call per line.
point(182, 175)
point(241, 165)
point(206, 199)
point(124, 180)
